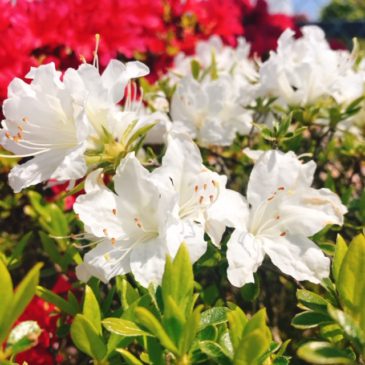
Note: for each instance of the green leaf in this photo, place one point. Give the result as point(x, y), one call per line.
point(258, 322)
point(237, 322)
point(323, 353)
point(173, 319)
point(155, 351)
point(58, 220)
point(55, 299)
point(25, 291)
point(178, 279)
point(17, 252)
point(251, 348)
point(195, 69)
point(351, 283)
point(129, 358)
point(332, 332)
point(22, 296)
point(281, 360)
point(128, 294)
point(208, 333)
point(213, 316)
point(50, 247)
point(149, 321)
point(310, 319)
point(213, 67)
point(340, 252)
point(6, 286)
point(190, 330)
point(91, 309)
point(215, 352)
point(352, 329)
point(123, 327)
point(312, 301)
point(86, 339)
point(250, 291)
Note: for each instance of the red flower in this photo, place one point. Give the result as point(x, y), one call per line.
point(46, 352)
point(44, 314)
point(263, 29)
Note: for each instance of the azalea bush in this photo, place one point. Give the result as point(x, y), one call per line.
point(210, 214)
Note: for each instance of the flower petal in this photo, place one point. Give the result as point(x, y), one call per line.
point(309, 210)
point(190, 233)
point(97, 210)
point(105, 261)
point(275, 169)
point(147, 262)
point(244, 255)
point(38, 169)
point(298, 257)
point(229, 210)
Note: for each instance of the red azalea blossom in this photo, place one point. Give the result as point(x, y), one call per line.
point(46, 315)
point(262, 29)
point(44, 352)
point(39, 31)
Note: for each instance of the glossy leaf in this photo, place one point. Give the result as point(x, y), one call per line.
point(151, 323)
point(351, 285)
point(340, 252)
point(123, 327)
point(86, 338)
point(91, 309)
point(310, 319)
point(323, 353)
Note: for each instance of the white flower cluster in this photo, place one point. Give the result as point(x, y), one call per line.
point(72, 126)
point(306, 69)
point(66, 125)
point(216, 104)
point(211, 105)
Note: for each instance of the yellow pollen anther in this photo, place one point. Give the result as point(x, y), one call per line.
point(278, 217)
point(271, 198)
point(281, 188)
point(114, 211)
point(25, 120)
point(211, 198)
point(83, 59)
point(282, 234)
point(196, 188)
point(138, 222)
point(20, 128)
point(214, 183)
point(7, 134)
point(16, 139)
point(105, 231)
point(205, 186)
point(113, 241)
point(201, 199)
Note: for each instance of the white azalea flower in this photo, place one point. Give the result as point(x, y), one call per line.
point(303, 70)
point(213, 106)
point(210, 110)
point(284, 212)
point(205, 205)
point(100, 95)
point(228, 60)
point(135, 225)
point(43, 122)
point(59, 122)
